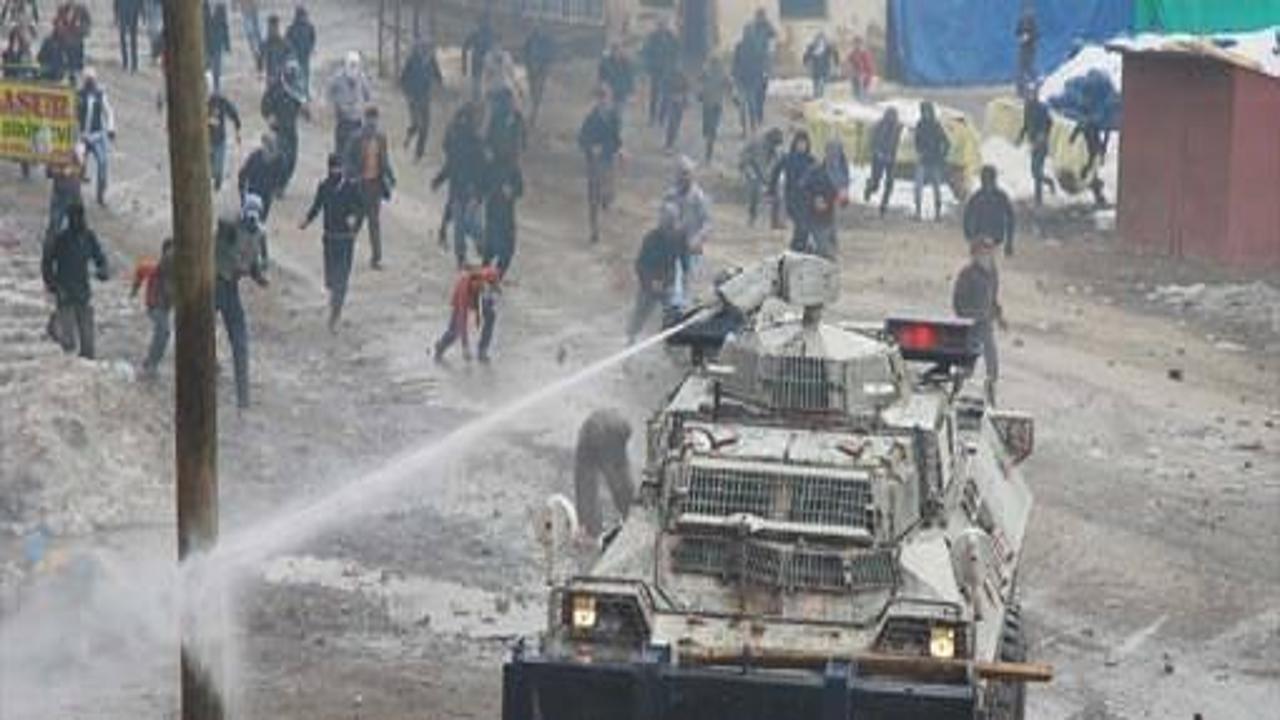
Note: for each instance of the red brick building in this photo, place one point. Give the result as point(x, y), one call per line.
point(1200, 157)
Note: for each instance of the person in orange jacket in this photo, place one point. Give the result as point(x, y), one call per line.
point(157, 277)
point(474, 293)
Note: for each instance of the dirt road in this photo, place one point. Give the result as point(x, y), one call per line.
point(1150, 578)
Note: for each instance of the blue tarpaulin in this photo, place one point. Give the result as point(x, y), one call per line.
point(971, 42)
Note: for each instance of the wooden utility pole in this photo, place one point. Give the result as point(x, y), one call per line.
point(196, 408)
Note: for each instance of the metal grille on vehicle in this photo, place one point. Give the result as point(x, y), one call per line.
point(801, 383)
point(783, 566)
point(789, 495)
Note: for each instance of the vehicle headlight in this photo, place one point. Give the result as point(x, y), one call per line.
point(584, 612)
point(942, 642)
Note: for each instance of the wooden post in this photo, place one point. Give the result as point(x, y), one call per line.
point(195, 362)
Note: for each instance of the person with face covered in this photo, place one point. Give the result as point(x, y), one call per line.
point(825, 187)
point(932, 148)
point(281, 105)
point(343, 207)
point(239, 250)
point(791, 170)
point(261, 175)
point(976, 297)
point(368, 164)
point(65, 268)
point(419, 80)
point(349, 93)
point(989, 213)
point(693, 222)
point(884, 157)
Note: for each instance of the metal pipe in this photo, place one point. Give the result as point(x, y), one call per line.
point(949, 670)
point(195, 403)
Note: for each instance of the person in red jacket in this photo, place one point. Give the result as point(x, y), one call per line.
point(474, 293)
point(862, 68)
point(157, 277)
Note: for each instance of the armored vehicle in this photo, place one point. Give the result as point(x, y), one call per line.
point(827, 526)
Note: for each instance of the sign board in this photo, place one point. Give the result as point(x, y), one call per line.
point(37, 121)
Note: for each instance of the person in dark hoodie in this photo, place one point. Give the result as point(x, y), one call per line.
point(220, 110)
point(615, 71)
point(128, 15)
point(1037, 125)
point(301, 36)
point(792, 170)
point(884, 156)
point(932, 147)
point(821, 58)
point(475, 48)
point(825, 187)
point(281, 105)
point(261, 173)
point(540, 52)
point(661, 57)
point(989, 214)
point(343, 207)
point(65, 268)
point(463, 170)
point(976, 297)
point(217, 41)
point(503, 188)
point(600, 139)
point(239, 250)
point(419, 79)
point(276, 51)
point(655, 267)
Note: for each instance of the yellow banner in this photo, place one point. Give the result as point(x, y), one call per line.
point(37, 121)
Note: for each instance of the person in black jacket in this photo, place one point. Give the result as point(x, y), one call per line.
point(539, 54)
point(128, 15)
point(65, 268)
point(220, 110)
point(823, 187)
point(276, 51)
point(217, 40)
point(661, 56)
point(261, 172)
point(989, 213)
point(884, 156)
point(464, 167)
point(281, 105)
point(791, 170)
point(976, 297)
point(503, 188)
point(1037, 124)
point(655, 267)
point(932, 147)
point(821, 58)
point(301, 36)
point(475, 48)
point(418, 80)
point(343, 208)
point(600, 139)
point(616, 72)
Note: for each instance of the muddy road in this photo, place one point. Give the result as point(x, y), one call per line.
point(1150, 578)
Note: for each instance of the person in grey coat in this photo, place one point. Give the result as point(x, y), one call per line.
point(601, 451)
point(976, 297)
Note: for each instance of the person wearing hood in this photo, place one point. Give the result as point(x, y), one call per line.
point(276, 51)
point(368, 163)
point(503, 188)
point(240, 244)
point(616, 72)
point(600, 139)
point(343, 207)
point(281, 105)
point(825, 188)
point(157, 277)
point(976, 297)
point(475, 48)
point(97, 127)
point(473, 295)
point(65, 269)
point(820, 57)
point(660, 251)
point(128, 15)
point(884, 157)
point(1037, 125)
point(219, 110)
point(349, 93)
point(677, 101)
point(989, 213)
point(504, 128)
point(463, 169)
point(261, 174)
point(1028, 36)
point(660, 55)
point(932, 148)
point(791, 170)
point(301, 37)
point(756, 161)
point(65, 179)
point(217, 41)
point(693, 222)
point(419, 80)
point(540, 53)
point(716, 88)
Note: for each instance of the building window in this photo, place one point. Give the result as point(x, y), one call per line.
point(658, 3)
point(802, 9)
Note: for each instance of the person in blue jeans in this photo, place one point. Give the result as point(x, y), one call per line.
point(97, 127)
point(239, 251)
point(220, 111)
point(932, 148)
